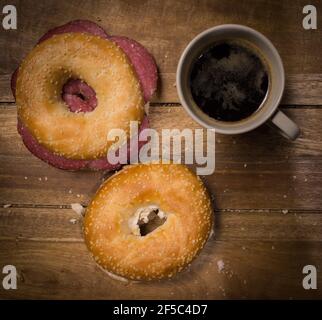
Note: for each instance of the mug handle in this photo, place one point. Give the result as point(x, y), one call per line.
point(288, 127)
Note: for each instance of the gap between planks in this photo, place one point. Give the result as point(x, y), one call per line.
point(216, 211)
point(6, 104)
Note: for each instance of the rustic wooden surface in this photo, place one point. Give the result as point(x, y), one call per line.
point(267, 191)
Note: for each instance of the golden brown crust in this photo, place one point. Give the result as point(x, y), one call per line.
point(99, 62)
point(166, 250)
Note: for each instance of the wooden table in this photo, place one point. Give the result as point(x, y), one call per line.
point(267, 190)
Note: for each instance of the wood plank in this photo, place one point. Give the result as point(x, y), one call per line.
point(260, 262)
point(166, 28)
point(41, 224)
point(5, 89)
point(256, 170)
point(263, 270)
point(65, 225)
point(300, 89)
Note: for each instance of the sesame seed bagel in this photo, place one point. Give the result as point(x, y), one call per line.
point(125, 203)
point(104, 67)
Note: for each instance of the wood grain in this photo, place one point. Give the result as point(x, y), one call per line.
point(176, 24)
point(267, 191)
point(263, 270)
point(48, 224)
point(300, 89)
point(257, 170)
point(49, 252)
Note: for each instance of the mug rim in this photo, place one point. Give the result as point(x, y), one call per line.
point(249, 123)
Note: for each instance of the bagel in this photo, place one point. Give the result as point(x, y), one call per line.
point(76, 139)
point(124, 206)
point(104, 66)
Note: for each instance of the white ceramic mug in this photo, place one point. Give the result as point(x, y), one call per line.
point(268, 110)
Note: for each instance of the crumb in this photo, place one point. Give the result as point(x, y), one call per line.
point(73, 221)
point(243, 247)
point(305, 180)
point(26, 178)
point(273, 248)
point(46, 178)
point(245, 165)
point(7, 205)
point(39, 179)
point(147, 108)
point(70, 191)
point(78, 208)
point(284, 196)
point(78, 195)
point(294, 177)
point(220, 265)
point(284, 211)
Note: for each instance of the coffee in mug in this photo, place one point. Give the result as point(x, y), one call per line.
point(229, 80)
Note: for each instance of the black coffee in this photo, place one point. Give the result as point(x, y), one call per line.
point(229, 81)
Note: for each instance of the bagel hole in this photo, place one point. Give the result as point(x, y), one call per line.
point(81, 96)
point(146, 220)
point(154, 222)
point(78, 95)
